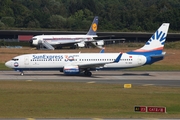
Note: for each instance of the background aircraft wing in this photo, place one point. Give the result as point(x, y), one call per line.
point(108, 38)
point(96, 39)
point(66, 43)
point(69, 42)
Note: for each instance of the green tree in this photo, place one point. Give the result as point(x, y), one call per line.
point(8, 21)
point(5, 9)
point(114, 15)
point(20, 13)
point(2, 25)
point(70, 23)
point(42, 16)
point(57, 21)
point(33, 24)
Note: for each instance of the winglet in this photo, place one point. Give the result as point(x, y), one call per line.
point(118, 58)
point(102, 50)
point(94, 26)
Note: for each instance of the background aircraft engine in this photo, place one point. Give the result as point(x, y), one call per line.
point(100, 42)
point(71, 70)
point(81, 44)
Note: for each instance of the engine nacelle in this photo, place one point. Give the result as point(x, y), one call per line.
point(70, 70)
point(81, 44)
point(100, 42)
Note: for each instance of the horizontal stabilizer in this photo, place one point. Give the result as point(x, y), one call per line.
point(157, 56)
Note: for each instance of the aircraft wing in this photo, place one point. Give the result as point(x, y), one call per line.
point(94, 65)
point(108, 38)
point(99, 64)
point(96, 40)
point(69, 42)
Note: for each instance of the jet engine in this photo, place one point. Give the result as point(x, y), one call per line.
point(80, 44)
point(100, 42)
point(70, 70)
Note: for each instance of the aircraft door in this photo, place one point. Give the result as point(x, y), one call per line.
point(26, 60)
point(40, 40)
point(139, 60)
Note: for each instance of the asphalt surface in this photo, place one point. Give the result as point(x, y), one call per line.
point(159, 78)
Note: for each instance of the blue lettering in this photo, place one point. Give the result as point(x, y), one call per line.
point(47, 57)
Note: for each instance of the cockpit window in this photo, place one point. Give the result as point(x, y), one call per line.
point(34, 38)
point(15, 59)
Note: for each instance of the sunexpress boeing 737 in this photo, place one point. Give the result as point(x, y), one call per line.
point(76, 63)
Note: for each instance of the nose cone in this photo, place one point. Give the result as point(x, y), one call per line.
point(31, 43)
point(8, 64)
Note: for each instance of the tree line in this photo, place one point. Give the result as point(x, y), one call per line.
point(114, 15)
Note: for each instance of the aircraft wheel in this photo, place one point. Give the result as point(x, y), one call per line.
point(88, 73)
point(21, 73)
point(74, 47)
point(86, 45)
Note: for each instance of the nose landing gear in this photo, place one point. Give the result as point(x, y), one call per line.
point(21, 73)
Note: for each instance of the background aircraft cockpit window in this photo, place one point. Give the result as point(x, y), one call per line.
point(34, 38)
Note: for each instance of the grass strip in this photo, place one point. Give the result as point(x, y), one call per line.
point(23, 99)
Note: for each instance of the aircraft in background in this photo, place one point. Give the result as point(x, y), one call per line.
point(73, 41)
point(76, 63)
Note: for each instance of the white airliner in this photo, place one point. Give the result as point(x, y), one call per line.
point(76, 63)
point(69, 40)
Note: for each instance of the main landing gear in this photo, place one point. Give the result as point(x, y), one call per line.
point(87, 73)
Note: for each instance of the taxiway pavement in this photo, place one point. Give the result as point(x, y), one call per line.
point(162, 78)
point(158, 78)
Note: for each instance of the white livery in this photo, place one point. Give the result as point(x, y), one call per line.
point(73, 41)
point(76, 63)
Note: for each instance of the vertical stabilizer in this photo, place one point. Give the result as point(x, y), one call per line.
point(94, 26)
point(157, 40)
point(153, 49)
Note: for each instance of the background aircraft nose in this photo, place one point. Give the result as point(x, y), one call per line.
point(31, 43)
point(8, 64)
